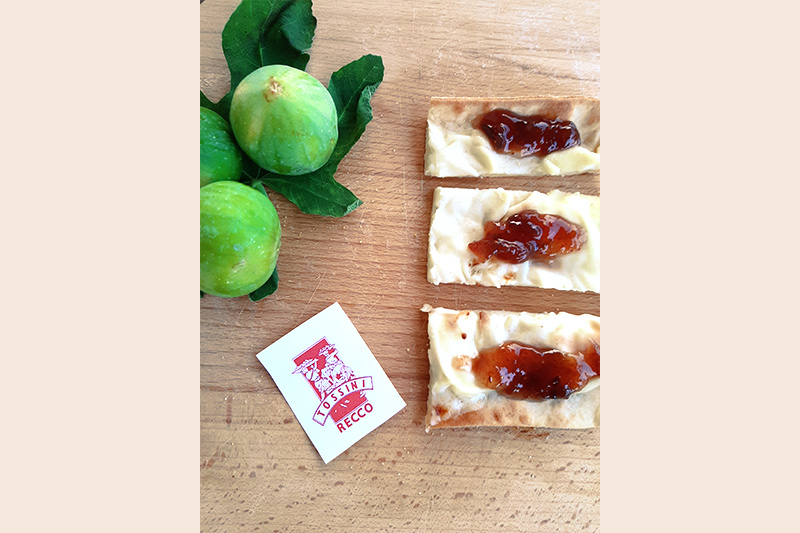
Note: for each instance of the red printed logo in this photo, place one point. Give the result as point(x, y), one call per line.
point(342, 396)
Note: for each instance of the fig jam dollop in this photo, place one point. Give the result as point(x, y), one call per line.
point(526, 372)
point(528, 235)
point(525, 135)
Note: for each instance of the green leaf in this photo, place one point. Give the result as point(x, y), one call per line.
point(352, 87)
point(222, 108)
point(256, 35)
point(260, 188)
point(205, 102)
point(298, 25)
point(318, 193)
point(267, 288)
point(285, 42)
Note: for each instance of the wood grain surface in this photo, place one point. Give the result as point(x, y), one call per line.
point(259, 471)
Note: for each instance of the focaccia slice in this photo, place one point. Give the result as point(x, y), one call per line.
point(456, 337)
point(456, 148)
point(458, 218)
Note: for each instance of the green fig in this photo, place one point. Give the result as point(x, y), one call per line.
point(240, 237)
point(285, 120)
point(220, 156)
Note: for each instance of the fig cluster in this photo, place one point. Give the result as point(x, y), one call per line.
point(286, 122)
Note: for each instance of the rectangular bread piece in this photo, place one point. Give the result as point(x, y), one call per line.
point(456, 148)
point(458, 218)
point(456, 337)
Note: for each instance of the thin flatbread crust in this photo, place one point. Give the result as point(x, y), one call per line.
point(455, 148)
point(456, 336)
point(458, 217)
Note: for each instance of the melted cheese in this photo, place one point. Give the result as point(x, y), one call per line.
point(451, 153)
point(458, 219)
point(458, 336)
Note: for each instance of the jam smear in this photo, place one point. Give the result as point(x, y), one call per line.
point(525, 372)
point(528, 235)
point(525, 135)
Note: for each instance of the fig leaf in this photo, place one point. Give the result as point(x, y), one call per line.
point(352, 87)
point(316, 193)
point(266, 289)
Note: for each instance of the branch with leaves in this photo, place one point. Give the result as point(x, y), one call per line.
point(269, 32)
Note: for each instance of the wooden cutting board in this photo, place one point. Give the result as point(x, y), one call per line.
point(258, 469)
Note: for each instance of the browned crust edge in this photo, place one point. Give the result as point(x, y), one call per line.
point(556, 105)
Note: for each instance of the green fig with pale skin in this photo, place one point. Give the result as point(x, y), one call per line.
point(240, 237)
point(220, 156)
point(285, 120)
